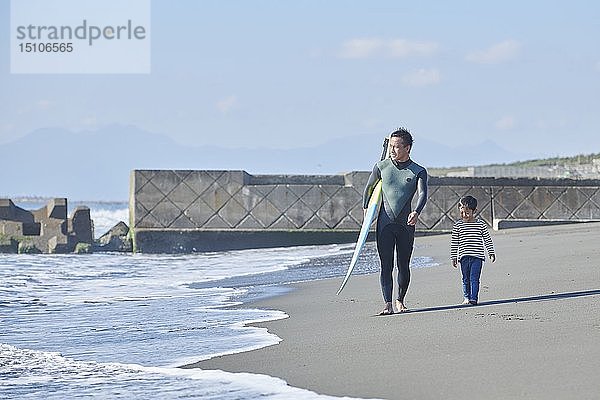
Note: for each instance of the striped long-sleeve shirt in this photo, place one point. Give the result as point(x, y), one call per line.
point(469, 239)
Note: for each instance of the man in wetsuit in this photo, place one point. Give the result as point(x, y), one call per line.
point(401, 178)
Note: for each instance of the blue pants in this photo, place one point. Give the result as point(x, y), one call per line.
point(471, 271)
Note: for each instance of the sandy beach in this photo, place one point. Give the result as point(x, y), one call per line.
point(535, 334)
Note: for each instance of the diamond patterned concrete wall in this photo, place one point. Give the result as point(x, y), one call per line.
point(229, 200)
point(441, 209)
point(513, 199)
point(183, 201)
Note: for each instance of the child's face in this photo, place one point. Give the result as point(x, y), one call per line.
point(466, 213)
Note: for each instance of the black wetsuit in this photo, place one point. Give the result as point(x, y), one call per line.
point(393, 231)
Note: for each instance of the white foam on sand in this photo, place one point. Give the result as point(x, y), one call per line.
point(29, 373)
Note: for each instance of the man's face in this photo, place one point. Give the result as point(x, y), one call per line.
point(398, 151)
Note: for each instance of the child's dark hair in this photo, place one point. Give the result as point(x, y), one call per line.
point(403, 134)
point(469, 201)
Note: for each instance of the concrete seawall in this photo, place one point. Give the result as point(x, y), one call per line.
point(176, 211)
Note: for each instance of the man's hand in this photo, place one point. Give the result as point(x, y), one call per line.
point(493, 258)
point(454, 263)
point(412, 218)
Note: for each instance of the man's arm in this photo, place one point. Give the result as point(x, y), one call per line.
point(421, 200)
point(373, 179)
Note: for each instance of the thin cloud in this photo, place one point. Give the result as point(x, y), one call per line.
point(44, 104)
point(506, 123)
point(7, 127)
point(557, 123)
point(500, 52)
point(361, 48)
point(372, 123)
point(227, 104)
point(89, 121)
point(422, 77)
point(400, 48)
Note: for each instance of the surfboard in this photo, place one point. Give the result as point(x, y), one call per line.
point(370, 215)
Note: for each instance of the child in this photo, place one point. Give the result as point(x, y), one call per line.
point(469, 236)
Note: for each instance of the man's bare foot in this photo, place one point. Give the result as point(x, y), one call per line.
point(401, 307)
point(388, 310)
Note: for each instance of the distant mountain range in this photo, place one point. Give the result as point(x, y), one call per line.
point(95, 165)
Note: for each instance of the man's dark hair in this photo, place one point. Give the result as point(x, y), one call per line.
point(403, 134)
point(470, 202)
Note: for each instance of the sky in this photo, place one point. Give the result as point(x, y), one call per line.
point(282, 74)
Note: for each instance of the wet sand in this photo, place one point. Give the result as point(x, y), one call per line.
point(534, 335)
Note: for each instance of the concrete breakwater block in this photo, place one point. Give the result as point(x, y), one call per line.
point(46, 230)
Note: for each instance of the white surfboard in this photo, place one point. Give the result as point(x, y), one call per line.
point(370, 216)
point(364, 231)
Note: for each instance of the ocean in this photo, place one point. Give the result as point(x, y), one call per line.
point(117, 326)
